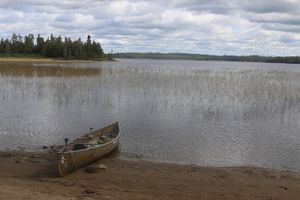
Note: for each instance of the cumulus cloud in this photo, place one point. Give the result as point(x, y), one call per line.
point(194, 26)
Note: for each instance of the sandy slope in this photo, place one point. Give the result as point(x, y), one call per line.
point(34, 176)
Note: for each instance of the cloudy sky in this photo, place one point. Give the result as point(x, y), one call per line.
point(241, 27)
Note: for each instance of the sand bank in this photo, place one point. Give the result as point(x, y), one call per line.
point(26, 175)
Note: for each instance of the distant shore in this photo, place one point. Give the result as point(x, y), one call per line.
point(33, 175)
point(203, 57)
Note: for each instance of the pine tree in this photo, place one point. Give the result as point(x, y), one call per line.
point(29, 44)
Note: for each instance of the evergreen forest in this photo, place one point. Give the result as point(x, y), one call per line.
point(53, 47)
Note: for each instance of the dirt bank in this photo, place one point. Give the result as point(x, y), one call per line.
point(34, 176)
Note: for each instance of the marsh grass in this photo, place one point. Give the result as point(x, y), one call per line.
point(247, 94)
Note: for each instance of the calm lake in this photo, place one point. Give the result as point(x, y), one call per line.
point(192, 112)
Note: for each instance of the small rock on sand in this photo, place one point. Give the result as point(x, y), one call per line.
point(283, 187)
point(94, 168)
point(88, 191)
point(102, 167)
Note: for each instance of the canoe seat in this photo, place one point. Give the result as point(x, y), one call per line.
point(79, 146)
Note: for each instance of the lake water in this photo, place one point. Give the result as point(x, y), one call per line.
point(191, 112)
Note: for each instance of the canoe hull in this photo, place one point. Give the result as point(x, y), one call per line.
point(69, 161)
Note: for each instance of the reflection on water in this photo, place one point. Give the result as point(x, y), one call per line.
point(207, 113)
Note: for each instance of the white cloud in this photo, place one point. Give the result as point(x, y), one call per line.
point(193, 26)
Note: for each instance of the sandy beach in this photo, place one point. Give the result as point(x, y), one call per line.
point(26, 175)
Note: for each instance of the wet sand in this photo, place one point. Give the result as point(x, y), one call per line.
point(26, 175)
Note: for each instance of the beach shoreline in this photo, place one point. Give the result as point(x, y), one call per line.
point(44, 60)
point(33, 175)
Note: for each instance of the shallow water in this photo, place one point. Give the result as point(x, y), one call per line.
point(192, 112)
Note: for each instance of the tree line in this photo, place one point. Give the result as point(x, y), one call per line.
point(185, 56)
point(54, 47)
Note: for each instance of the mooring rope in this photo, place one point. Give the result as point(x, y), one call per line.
point(73, 160)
